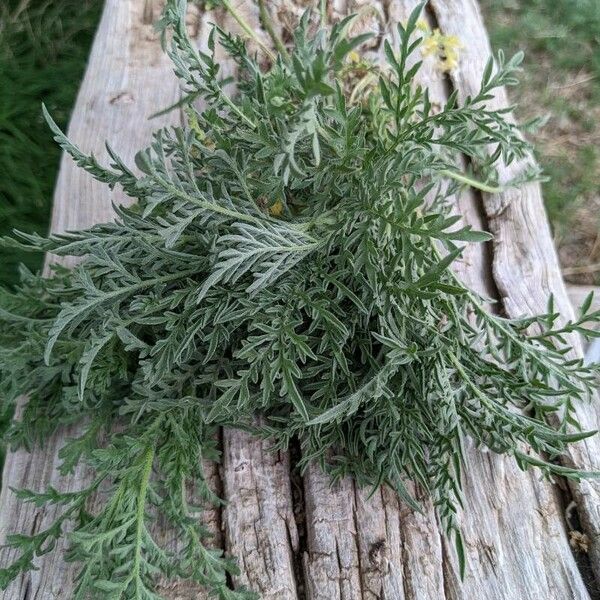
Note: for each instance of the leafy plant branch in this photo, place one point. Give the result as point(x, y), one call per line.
point(287, 268)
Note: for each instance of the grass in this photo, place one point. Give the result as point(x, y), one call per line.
point(561, 80)
point(44, 46)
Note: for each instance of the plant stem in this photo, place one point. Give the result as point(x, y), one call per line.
point(462, 178)
point(246, 27)
point(235, 109)
point(323, 13)
point(148, 460)
point(267, 23)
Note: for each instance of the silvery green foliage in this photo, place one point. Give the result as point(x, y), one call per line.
point(282, 260)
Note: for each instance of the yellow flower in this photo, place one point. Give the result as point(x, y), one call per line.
point(276, 209)
point(430, 44)
point(444, 47)
point(354, 56)
point(423, 26)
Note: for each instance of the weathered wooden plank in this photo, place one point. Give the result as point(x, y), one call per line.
point(525, 265)
point(258, 519)
point(128, 78)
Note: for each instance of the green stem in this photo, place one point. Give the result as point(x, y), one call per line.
point(235, 109)
point(247, 29)
point(462, 178)
point(323, 13)
point(5, 315)
point(267, 23)
point(148, 460)
point(465, 377)
point(209, 205)
point(221, 209)
point(493, 406)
